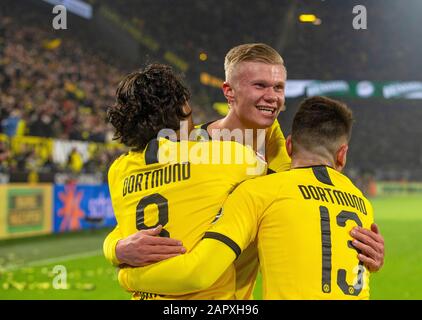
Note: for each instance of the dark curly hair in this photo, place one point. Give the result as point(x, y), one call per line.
point(147, 101)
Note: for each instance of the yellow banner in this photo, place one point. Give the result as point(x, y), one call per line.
point(221, 107)
point(25, 210)
point(4, 138)
point(176, 61)
point(43, 146)
point(209, 80)
point(129, 27)
point(52, 44)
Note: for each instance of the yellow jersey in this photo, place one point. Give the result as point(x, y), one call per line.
point(184, 194)
point(275, 151)
point(247, 265)
point(301, 220)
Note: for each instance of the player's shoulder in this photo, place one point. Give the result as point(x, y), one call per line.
point(119, 162)
point(229, 148)
point(270, 183)
point(275, 125)
point(343, 181)
point(278, 183)
point(245, 158)
point(346, 184)
point(123, 157)
point(282, 176)
point(236, 146)
point(115, 168)
point(262, 191)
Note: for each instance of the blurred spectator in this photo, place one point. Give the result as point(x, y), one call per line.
point(49, 166)
point(11, 123)
point(22, 159)
point(59, 90)
point(59, 84)
point(75, 161)
point(4, 157)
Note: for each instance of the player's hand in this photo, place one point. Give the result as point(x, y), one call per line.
point(371, 246)
point(145, 247)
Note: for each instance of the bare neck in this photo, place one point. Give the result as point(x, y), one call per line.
point(306, 159)
point(228, 122)
point(232, 123)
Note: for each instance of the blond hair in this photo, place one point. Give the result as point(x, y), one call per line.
point(256, 52)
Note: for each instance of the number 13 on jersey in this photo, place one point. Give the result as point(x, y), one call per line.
point(341, 219)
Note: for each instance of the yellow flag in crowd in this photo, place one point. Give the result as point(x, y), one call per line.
point(221, 107)
point(52, 44)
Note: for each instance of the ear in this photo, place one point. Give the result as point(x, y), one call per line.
point(228, 92)
point(341, 157)
point(289, 146)
point(186, 108)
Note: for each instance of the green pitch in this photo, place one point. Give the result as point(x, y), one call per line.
point(27, 265)
point(400, 221)
point(27, 268)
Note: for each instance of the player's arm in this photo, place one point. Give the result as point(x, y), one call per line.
point(371, 246)
point(110, 242)
point(187, 273)
point(141, 248)
point(200, 268)
point(109, 245)
point(276, 152)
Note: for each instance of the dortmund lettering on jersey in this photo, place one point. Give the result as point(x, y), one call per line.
point(301, 219)
point(247, 264)
point(184, 197)
point(333, 196)
point(155, 178)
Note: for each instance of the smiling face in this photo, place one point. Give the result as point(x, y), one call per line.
point(255, 93)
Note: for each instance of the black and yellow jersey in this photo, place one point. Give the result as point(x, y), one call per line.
point(300, 220)
point(183, 193)
point(275, 153)
point(247, 265)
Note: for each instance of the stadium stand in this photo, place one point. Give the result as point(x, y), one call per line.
point(57, 84)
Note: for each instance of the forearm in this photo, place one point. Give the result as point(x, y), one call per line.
point(187, 273)
point(109, 245)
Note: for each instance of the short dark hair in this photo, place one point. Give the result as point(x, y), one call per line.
point(322, 122)
point(147, 101)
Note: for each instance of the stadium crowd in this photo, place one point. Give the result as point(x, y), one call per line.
point(53, 88)
point(59, 84)
point(331, 50)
